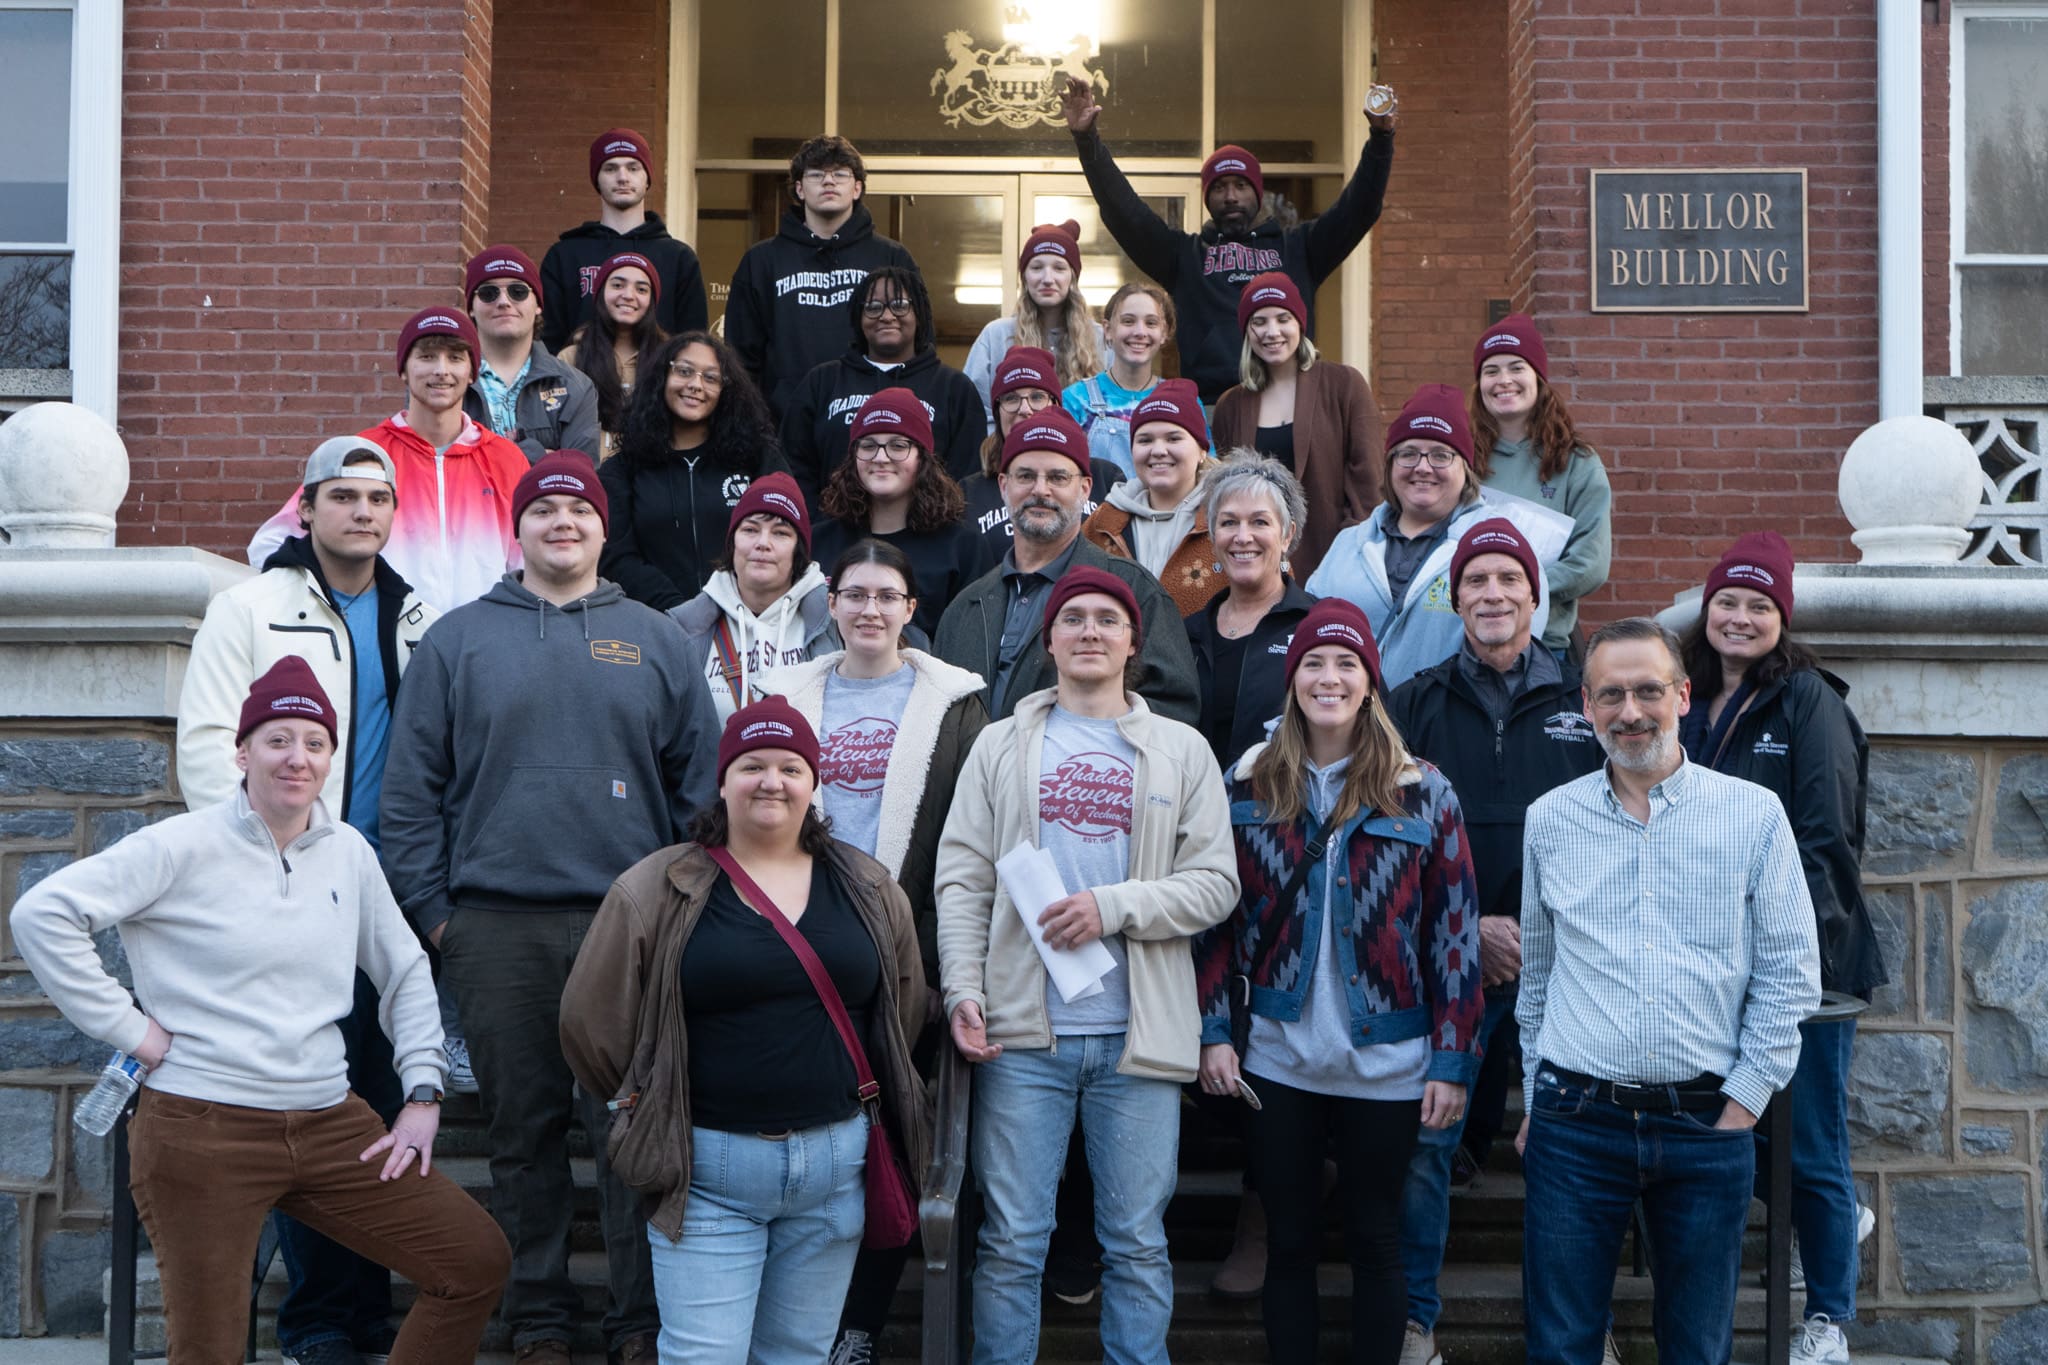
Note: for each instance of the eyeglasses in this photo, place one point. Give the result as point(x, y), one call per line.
point(875, 450)
point(1646, 694)
point(888, 599)
point(1026, 400)
point(1438, 459)
point(837, 176)
point(1106, 623)
point(1059, 480)
point(517, 292)
point(685, 371)
point(874, 308)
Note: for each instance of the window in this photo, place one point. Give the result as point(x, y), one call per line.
point(1998, 310)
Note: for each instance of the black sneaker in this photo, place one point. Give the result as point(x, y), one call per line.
point(1071, 1280)
point(1464, 1169)
point(333, 1351)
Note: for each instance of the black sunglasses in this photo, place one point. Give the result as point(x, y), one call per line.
point(519, 293)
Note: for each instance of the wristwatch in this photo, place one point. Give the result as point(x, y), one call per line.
point(423, 1094)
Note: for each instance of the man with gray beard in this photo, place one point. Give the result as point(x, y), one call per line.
point(993, 627)
point(1668, 955)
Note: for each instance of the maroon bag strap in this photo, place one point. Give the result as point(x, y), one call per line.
point(821, 982)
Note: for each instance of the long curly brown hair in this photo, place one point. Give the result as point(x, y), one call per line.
point(1551, 432)
point(936, 501)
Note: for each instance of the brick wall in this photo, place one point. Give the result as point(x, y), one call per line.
point(1714, 424)
point(296, 179)
point(556, 85)
point(1441, 247)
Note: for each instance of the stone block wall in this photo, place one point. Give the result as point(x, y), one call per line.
point(66, 790)
point(1948, 1104)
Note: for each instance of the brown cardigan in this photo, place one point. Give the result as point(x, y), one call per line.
point(1191, 576)
point(1337, 451)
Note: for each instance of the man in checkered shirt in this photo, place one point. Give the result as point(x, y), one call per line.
point(1668, 955)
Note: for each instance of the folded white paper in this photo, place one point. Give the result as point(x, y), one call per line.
point(1033, 881)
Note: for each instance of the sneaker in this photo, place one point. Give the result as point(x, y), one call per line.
point(1418, 1346)
point(1464, 1169)
point(374, 1346)
point(634, 1350)
point(1071, 1280)
point(333, 1351)
point(461, 1079)
point(853, 1348)
point(1866, 1223)
point(1819, 1342)
point(542, 1353)
point(1610, 1354)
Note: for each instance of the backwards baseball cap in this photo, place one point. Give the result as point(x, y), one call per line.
point(1231, 159)
point(1050, 430)
point(1436, 412)
point(771, 723)
point(1760, 561)
point(619, 142)
point(1053, 239)
point(1074, 582)
point(562, 473)
point(778, 496)
point(1024, 367)
point(893, 412)
point(499, 263)
point(437, 322)
point(1495, 536)
point(1177, 401)
point(330, 460)
point(1274, 289)
point(287, 691)
point(1514, 334)
point(628, 260)
point(1335, 621)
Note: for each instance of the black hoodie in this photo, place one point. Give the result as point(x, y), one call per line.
point(787, 314)
point(668, 518)
point(571, 266)
point(822, 407)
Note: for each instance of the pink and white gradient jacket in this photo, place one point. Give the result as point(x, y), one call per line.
point(452, 535)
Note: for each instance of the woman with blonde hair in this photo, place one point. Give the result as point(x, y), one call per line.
point(1050, 313)
point(1136, 327)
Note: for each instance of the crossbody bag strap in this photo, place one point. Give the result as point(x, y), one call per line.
point(820, 980)
point(728, 661)
point(1311, 854)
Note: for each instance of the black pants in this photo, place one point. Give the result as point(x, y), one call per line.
point(1373, 1140)
point(508, 969)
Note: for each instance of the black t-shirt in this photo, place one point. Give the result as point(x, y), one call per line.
point(764, 1056)
point(1219, 715)
point(1277, 442)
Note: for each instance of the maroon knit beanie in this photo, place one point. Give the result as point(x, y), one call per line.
point(1053, 239)
point(1760, 561)
point(501, 262)
point(1050, 430)
point(438, 322)
point(288, 691)
point(562, 473)
point(778, 496)
point(619, 142)
point(1274, 289)
point(771, 723)
point(1024, 367)
point(1495, 536)
point(1435, 413)
point(1231, 159)
point(620, 262)
point(1074, 582)
point(893, 412)
point(1335, 621)
point(1514, 334)
point(1177, 401)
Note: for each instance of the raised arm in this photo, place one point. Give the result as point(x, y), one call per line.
point(1332, 235)
point(1152, 246)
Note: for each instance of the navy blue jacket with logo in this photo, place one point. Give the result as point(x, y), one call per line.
point(1497, 770)
point(1207, 271)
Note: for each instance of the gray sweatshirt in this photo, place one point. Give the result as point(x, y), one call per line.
point(539, 751)
point(1154, 535)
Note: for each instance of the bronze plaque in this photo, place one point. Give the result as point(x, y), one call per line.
point(1699, 241)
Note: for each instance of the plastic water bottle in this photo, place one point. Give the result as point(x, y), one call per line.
point(101, 1108)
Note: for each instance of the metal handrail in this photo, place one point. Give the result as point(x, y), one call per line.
point(938, 1209)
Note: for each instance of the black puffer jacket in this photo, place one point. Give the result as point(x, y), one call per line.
point(1798, 738)
point(668, 518)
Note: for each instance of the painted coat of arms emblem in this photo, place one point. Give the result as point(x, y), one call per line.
point(1013, 85)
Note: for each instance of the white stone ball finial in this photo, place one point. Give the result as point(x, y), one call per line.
point(63, 473)
point(1910, 486)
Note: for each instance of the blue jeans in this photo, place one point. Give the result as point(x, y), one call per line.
point(1586, 1163)
point(1426, 1199)
point(770, 1233)
point(1024, 1107)
point(1823, 1191)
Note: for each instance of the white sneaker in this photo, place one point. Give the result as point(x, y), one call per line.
point(1418, 1346)
point(461, 1079)
point(1866, 1223)
point(854, 1347)
point(1819, 1342)
point(1610, 1354)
